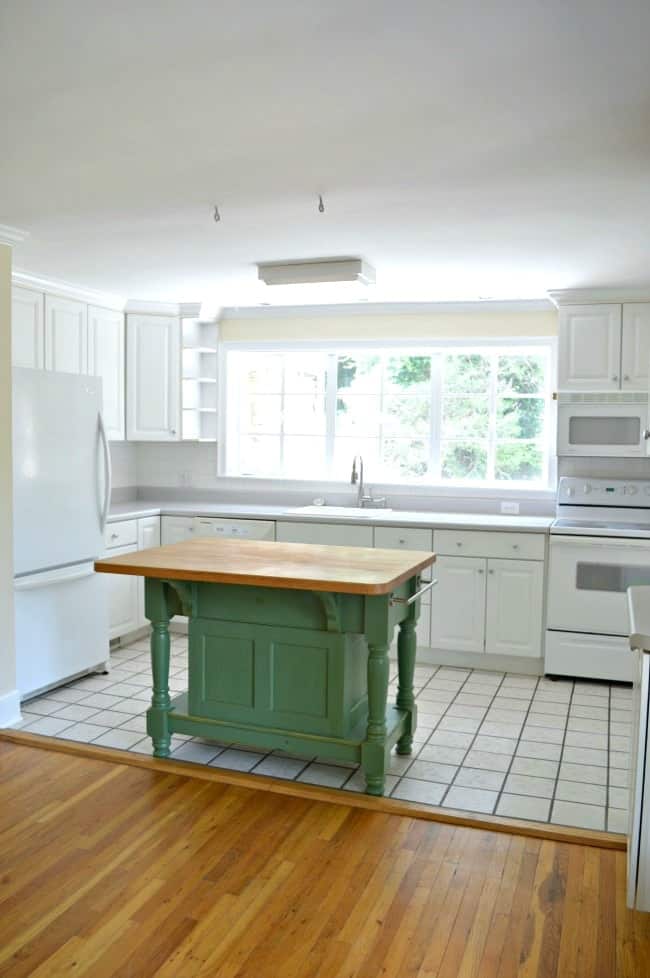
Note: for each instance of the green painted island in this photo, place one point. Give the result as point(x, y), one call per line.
point(288, 646)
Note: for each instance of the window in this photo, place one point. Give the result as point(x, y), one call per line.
point(474, 416)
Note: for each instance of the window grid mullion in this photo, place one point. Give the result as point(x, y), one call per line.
point(331, 382)
point(492, 418)
point(435, 430)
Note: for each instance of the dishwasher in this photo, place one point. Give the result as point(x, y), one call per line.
point(208, 526)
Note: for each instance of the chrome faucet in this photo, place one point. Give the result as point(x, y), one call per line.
point(356, 479)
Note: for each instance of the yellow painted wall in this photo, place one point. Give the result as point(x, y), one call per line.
point(435, 325)
point(7, 653)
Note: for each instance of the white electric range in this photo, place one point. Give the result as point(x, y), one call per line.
point(600, 546)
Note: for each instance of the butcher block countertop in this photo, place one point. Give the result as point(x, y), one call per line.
point(265, 563)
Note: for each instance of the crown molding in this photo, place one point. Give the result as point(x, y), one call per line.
point(12, 236)
point(577, 297)
point(386, 309)
point(151, 308)
point(68, 290)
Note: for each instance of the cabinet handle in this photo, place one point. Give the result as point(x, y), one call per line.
point(114, 536)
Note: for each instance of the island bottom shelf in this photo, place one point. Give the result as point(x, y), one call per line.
point(348, 748)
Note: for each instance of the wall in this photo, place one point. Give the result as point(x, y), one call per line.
point(124, 464)
point(480, 320)
point(9, 701)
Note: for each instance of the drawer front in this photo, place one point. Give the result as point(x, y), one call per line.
point(406, 538)
point(486, 543)
point(206, 526)
point(335, 534)
point(121, 534)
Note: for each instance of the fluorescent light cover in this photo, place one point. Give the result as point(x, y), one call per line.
point(316, 271)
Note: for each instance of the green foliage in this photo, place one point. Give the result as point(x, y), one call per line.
point(521, 375)
point(521, 462)
point(409, 372)
point(464, 460)
point(466, 373)
point(520, 417)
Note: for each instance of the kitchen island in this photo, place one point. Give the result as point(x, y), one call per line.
point(288, 646)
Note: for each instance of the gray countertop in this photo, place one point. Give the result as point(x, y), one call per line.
point(139, 508)
point(638, 603)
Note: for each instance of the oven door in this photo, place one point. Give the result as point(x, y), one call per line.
point(588, 578)
point(600, 429)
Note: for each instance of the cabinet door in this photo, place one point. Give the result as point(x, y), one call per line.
point(123, 598)
point(153, 378)
point(27, 329)
point(106, 360)
point(66, 335)
point(174, 529)
point(514, 607)
point(458, 604)
point(336, 534)
point(148, 536)
point(635, 356)
point(590, 348)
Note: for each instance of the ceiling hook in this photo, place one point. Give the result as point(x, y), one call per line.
point(216, 215)
point(321, 205)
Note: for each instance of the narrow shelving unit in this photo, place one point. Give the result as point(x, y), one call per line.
point(199, 376)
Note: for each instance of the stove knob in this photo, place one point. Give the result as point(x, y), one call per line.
point(586, 488)
point(647, 490)
point(571, 492)
point(631, 490)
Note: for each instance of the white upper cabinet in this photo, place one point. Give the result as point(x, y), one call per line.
point(106, 360)
point(27, 329)
point(514, 607)
point(153, 378)
point(66, 335)
point(635, 358)
point(590, 348)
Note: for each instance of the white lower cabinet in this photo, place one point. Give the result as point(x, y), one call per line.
point(148, 536)
point(458, 604)
point(123, 598)
point(513, 617)
point(335, 534)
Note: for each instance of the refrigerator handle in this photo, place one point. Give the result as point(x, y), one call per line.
point(108, 483)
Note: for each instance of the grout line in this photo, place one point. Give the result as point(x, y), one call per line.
point(559, 765)
point(514, 754)
point(609, 741)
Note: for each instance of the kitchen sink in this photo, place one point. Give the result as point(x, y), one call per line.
point(352, 512)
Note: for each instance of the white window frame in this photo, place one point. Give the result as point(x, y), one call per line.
point(466, 488)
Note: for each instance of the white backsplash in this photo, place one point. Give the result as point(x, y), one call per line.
point(124, 459)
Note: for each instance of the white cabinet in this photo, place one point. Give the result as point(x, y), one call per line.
point(604, 347)
point(106, 360)
point(27, 329)
point(174, 529)
point(148, 536)
point(590, 347)
point(513, 624)
point(153, 378)
point(635, 356)
point(458, 604)
point(66, 335)
point(123, 598)
point(222, 529)
point(335, 534)
point(492, 600)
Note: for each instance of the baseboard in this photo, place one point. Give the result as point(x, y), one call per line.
point(10, 708)
point(487, 663)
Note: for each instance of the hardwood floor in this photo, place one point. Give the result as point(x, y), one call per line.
point(111, 870)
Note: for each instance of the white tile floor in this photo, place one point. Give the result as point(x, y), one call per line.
point(486, 742)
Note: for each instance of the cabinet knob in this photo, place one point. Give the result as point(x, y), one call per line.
point(479, 570)
point(401, 540)
point(626, 377)
point(615, 377)
point(515, 546)
point(458, 543)
point(172, 431)
point(113, 536)
point(491, 571)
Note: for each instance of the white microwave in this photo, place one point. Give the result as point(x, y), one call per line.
point(603, 425)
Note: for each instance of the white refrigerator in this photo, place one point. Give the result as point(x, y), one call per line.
point(62, 486)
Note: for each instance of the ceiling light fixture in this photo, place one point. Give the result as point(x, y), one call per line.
point(321, 205)
point(216, 216)
point(316, 271)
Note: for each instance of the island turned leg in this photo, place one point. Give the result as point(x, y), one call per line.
point(406, 648)
point(158, 714)
point(373, 751)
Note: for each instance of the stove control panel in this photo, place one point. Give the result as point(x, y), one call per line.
point(603, 492)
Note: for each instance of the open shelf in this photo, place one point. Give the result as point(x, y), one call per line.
point(199, 380)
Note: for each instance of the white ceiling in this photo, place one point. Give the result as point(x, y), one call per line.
point(464, 149)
